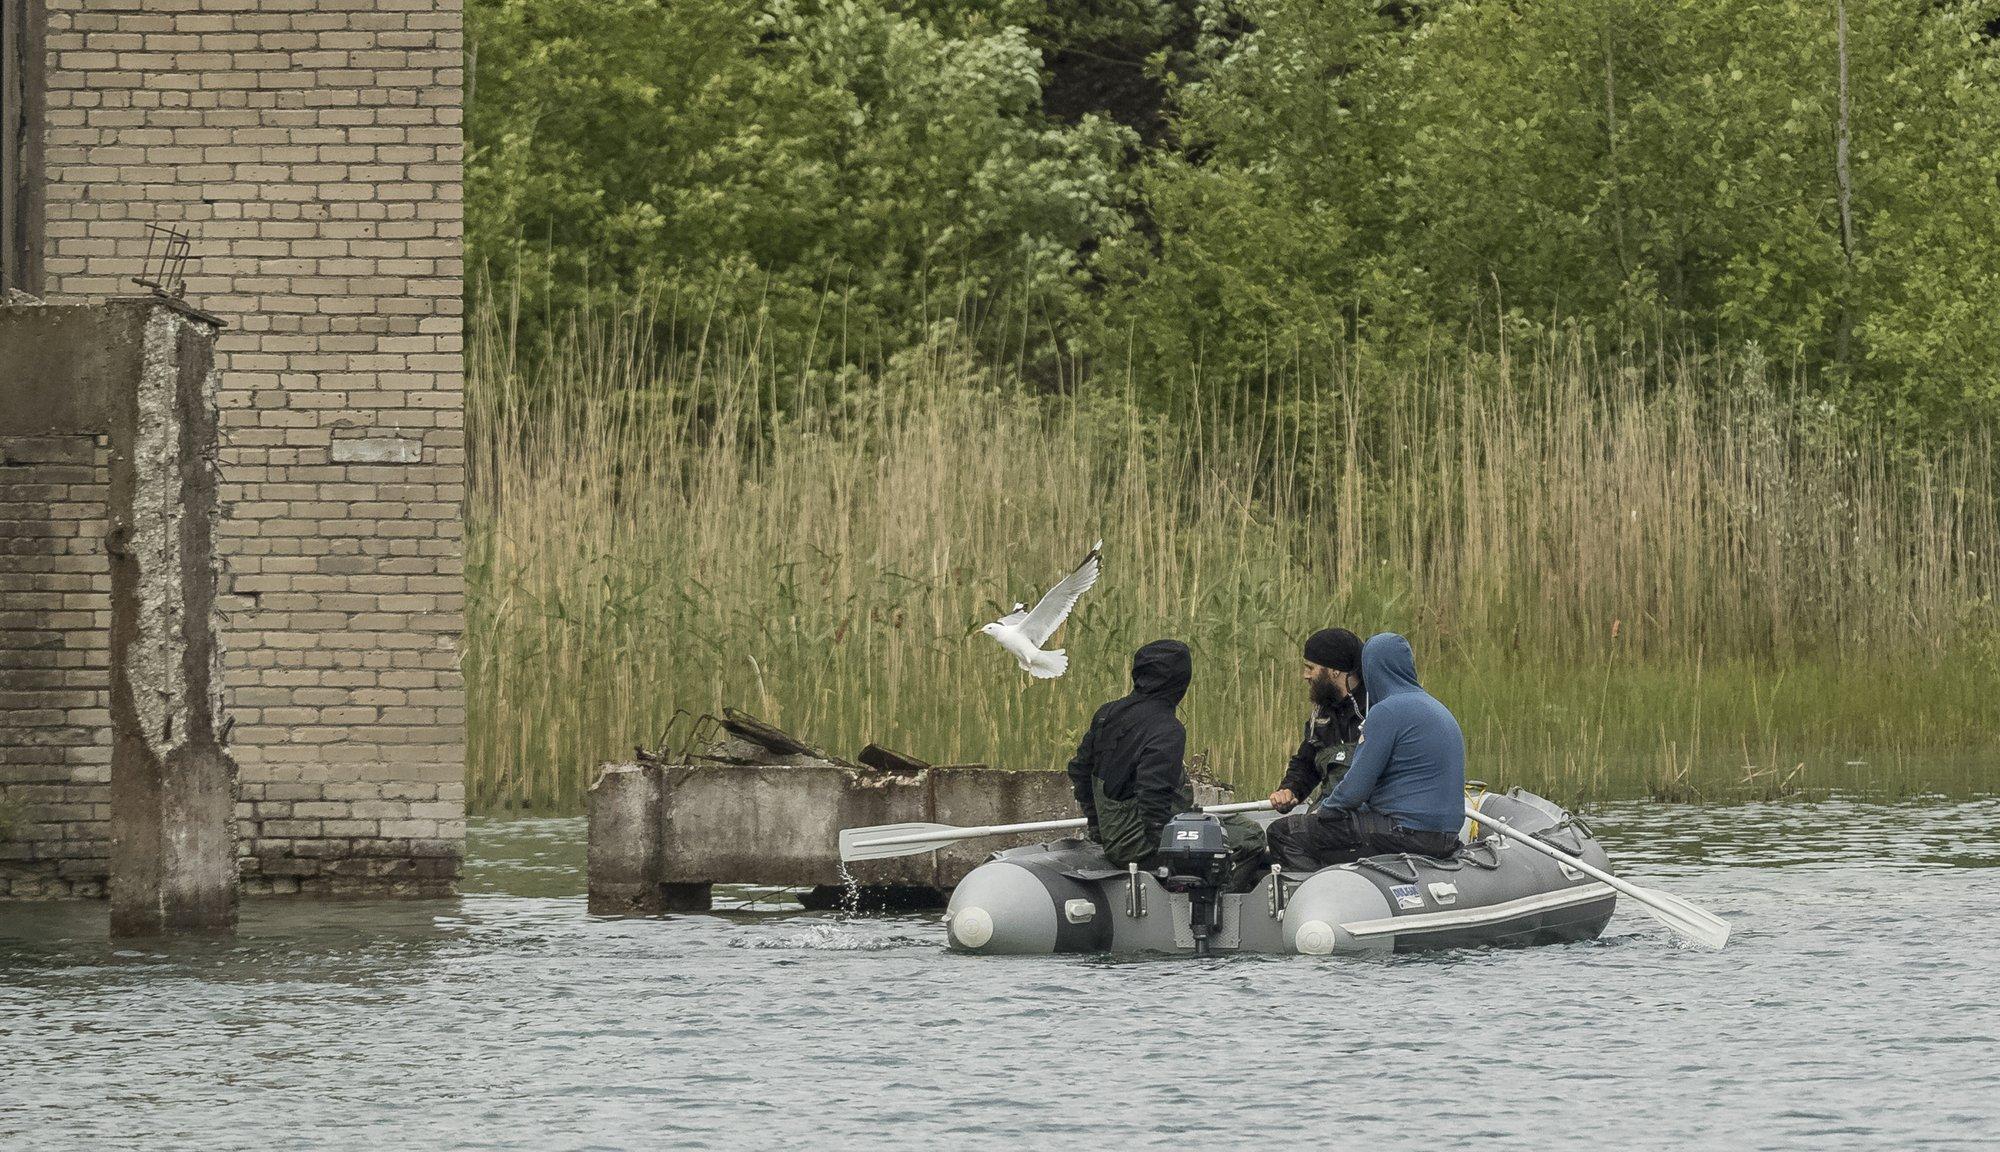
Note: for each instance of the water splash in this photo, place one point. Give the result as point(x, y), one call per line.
point(850, 895)
point(822, 938)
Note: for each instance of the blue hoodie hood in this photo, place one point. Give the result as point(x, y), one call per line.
point(1410, 764)
point(1388, 668)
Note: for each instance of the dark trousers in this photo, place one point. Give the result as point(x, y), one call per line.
point(1307, 841)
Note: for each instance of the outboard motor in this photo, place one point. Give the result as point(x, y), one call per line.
point(1194, 859)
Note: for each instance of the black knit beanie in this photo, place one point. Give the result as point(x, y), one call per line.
point(1335, 648)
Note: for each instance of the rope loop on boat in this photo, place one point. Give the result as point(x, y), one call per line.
point(1548, 836)
point(1386, 866)
point(1485, 843)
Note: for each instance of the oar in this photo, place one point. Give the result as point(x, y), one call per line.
point(882, 841)
point(1676, 913)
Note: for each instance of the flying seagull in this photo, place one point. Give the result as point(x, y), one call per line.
point(1023, 632)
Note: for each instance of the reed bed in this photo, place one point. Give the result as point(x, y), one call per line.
point(1659, 577)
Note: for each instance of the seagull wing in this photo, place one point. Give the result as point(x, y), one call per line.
point(1014, 618)
point(1054, 608)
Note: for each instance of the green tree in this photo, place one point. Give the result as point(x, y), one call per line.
point(1645, 168)
point(833, 164)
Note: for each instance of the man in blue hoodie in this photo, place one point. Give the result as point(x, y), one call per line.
point(1405, 791)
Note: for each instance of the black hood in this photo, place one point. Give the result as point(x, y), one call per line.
point(1135, 746)
point(1161, 671)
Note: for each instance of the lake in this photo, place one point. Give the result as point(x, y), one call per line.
point(1854, 1008)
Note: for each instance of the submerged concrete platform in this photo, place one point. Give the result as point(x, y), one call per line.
point(660, 835)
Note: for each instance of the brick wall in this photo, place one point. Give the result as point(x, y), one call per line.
point(311, 149)
point(55, 616)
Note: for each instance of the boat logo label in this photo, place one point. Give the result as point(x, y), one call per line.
point(1407, 896)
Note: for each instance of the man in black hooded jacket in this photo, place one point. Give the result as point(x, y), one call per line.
point(1128, 771)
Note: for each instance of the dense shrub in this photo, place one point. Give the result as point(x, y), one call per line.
point(851, 169)
point(1224, 183)
point(1645, 167)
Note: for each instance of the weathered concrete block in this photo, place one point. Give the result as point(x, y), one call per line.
point(173, 786)
point(660, 835)
point(126, 393)
point(623, 854)
point(753, 824)
point(968, 796)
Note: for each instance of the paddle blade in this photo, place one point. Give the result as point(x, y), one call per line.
point(861, 843)
point(1685, 919)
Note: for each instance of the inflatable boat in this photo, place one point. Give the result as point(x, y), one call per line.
point(1065, 897)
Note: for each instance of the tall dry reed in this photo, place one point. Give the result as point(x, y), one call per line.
point(1664, 577)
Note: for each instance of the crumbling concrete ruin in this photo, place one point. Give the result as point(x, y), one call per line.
point(109, 412)
point(308, 157)
point(741, 802)
point(745, 803)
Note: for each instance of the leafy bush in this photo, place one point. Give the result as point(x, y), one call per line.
point(1329, 174)
point(1643, 167)
point(850, 169)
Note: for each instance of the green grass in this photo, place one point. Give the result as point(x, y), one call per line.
point(1732, 730)
point(1626, 579)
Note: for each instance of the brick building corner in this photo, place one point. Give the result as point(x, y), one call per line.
point(311, 152)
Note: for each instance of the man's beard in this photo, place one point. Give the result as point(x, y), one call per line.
point(1325, 693)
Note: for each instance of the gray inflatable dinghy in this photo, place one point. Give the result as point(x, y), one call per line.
point(1065, 897)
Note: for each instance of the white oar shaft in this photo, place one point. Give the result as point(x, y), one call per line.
point(1643, 896)
point(969, 833)
point(1036, 826)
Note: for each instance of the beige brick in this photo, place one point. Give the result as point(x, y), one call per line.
point(312, 151)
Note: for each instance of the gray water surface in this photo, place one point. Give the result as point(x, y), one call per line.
point(1856, 1007)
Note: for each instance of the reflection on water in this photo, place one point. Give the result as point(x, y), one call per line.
point(536, 856)
point(1959, 833)
point(1851, 1010)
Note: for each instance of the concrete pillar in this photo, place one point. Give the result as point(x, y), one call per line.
point(173, 787)
point(623, 857)
point(627, 857)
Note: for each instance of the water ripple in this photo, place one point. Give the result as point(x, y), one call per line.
point(1850, 1011)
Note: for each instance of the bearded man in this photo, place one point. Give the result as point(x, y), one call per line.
point(1333, 678)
